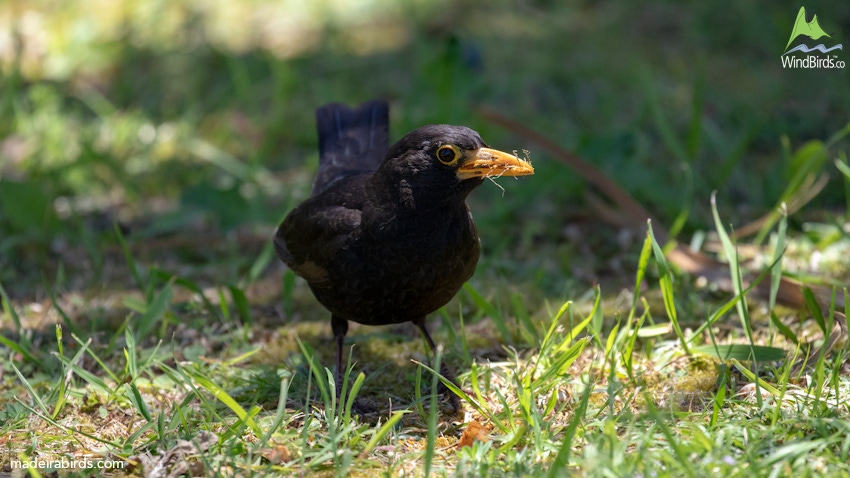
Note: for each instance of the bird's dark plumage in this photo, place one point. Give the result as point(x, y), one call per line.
point(386, 236)
point(351, 141)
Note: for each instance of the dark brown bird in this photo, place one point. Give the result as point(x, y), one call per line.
point(386, 236)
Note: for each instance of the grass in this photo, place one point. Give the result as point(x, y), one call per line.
point(147, 150)
point(592, 403)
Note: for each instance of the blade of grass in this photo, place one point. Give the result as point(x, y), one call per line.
point(352, 395)
point(227, 400)
point(562, 458)
point(30, 389)
point(90, 378)
point(65, 319)
point(472, 402)
point(16, 319)
point(783, 329)
point(728, 305)
point(382, 432)
point(261, 263)
point(318, 373)
point(666, 281)
point(732, 256)
point(490, 310)
point(155, 310)
point(433, 410)
point(128, 256)
point(135, 397)
point(279, 415)
point(760, 353)
point(776, 268)
point(65, 428)
point(719, 398)
point(760, 383)
point(241, 303)
point(288, 289)
point(643, 263)
point(190, 285)
point(84, 347)
point(815, 310)
point(15, 347)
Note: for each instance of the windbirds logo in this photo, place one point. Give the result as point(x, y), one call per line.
point(813, 30)
point(810, 29)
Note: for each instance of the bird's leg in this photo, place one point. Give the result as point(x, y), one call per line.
point(339, 326)
point(444, 369)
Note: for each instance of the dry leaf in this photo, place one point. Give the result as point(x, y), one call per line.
point(474, 431)
point(277, 455)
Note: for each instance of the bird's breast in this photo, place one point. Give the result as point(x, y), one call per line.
point(406, 266)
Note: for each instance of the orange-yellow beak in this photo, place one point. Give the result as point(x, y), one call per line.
point(488, 163)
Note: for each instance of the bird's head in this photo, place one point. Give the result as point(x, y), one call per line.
point(440, 163)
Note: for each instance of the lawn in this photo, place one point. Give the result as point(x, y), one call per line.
point(665, 296)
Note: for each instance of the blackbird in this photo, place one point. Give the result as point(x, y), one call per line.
point(386, 236)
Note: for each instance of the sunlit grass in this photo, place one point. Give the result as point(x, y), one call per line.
point(621, 399)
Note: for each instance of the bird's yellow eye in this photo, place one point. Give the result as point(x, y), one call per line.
point(448, 154)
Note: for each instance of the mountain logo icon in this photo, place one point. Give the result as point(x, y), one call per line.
point(811, 29)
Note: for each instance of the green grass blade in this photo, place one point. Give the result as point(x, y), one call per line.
point(728, 305)
point(261, 263)
point(155, 310)
point(288, 289)
point(227, 400)
point(383, 432)
point(10, 310)
point(553, 326)
point(783, 329)
point(62, 386)
point(559, 467)
point(187, 284)
point(433, 410)
point(352, 395)
point(753, 378)
point(128, 256)
point(280, 414)
point(90, 378)
point(732, 256)
point(489, 309)
point(643, 263)
point(776, 268)
point(666, 282)
point(30, 389)
point(135, 397)
point(463, 396)
point(65, 319)
point(241, 303)
point(760, 353)
point(130, 353)
point(814, 309)
point(59, 425)
point(15, 347)
point(84, 347)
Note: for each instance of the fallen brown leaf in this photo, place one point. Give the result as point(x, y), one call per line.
point(474, 431)
point(277, 454)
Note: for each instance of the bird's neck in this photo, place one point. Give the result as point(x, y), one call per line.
point(410, 196)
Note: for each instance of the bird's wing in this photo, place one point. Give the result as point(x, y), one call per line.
point(312, 235)
point(351, 141)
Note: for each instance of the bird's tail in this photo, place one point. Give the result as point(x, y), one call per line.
point(351, 141)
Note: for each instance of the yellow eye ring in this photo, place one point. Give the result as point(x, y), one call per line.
point(448, 154)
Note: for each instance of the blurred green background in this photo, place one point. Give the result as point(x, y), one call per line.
point(188, 124)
